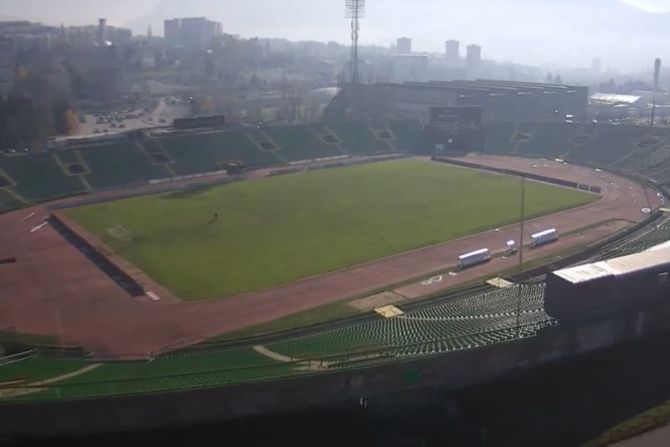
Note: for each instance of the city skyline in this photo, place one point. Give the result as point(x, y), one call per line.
point(531, 42)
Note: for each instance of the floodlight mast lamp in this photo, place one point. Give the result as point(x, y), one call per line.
point(355, 10)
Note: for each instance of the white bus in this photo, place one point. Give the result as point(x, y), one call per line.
point(474, 258)
point(544, 237)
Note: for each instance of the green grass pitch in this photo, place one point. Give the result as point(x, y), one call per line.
point(275, 230)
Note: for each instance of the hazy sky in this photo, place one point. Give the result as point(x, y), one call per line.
point(650, 5)
point(121, 11)
point(77, 11)
point(570, 32)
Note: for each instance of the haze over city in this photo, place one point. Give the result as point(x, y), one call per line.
point(557, 32)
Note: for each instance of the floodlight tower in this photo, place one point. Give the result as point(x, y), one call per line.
point(355, 10)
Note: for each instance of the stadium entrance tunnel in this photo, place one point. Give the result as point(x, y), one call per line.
point(132, 287)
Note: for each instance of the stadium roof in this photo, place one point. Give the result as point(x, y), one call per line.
point(613, 98)
point(494, 86)
point(662, 246)
point(616, 267)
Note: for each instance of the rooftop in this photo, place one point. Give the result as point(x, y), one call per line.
point(488, 86)
point(663, 246)
point(616, 267)
point(613, 98)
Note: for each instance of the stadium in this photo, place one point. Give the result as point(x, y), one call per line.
point(261, 270)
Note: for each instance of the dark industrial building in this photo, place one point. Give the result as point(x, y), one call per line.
point(199, 122)
point(609, 287)
point(500, 100)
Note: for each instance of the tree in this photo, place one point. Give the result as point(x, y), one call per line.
point(65, 118)
point(21, 122)
point(203, 106)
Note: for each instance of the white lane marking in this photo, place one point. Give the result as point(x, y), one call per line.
point(26, 218)
point(153, 296)
point(431, 281)
point(39, 227)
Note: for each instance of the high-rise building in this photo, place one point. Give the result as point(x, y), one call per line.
point(404, 45)
point(473, 59)
point(191, 32)
point(172, 30)
point(198, 32)
point(102, 32)
point(453, 52)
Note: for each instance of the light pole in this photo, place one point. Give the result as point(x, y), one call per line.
point(521, 235)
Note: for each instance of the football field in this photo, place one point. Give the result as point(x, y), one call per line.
point(261, 233)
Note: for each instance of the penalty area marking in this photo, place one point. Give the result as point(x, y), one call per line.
point(120, 233)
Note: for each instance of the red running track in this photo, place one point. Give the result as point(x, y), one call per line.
point(54, 289)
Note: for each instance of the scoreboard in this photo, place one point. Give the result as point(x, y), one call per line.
point(456, 118)
point(457, 129)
